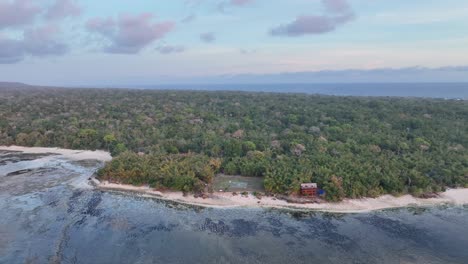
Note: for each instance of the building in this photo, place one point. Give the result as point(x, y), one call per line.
point(309, 189)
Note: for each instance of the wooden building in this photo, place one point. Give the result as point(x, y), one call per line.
point(309, 189)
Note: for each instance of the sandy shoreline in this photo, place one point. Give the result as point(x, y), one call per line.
point(66, 153)
point(228, 200)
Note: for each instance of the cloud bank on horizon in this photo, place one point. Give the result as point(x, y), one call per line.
point(153, 41)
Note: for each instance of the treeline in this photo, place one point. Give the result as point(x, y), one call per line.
point(350, 146)
point(182, 172)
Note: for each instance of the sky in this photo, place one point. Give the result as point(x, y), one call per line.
point(142, 42)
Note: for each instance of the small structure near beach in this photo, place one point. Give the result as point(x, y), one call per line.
point(309, 189)
point(231, 183)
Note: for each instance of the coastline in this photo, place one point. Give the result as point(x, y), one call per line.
point(71, 154)
point(228, 200)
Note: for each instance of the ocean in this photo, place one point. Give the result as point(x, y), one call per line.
point(428, 90)
point(47, 217)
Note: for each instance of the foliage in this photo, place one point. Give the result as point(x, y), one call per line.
point(351, 146)
point(183, 172)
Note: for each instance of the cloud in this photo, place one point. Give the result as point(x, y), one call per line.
point(338, 12)
point(304, 25)
point(36, 42)
point(42, 41)
point(17, 13)
point(233, 3)
point(39, 41)
point(62, 9)
point(336, 6)
point(104, 26)
point(240, 2)
point(193, 2)
point(247, 51)
point(168, 49)
point(189, 18)
point(10, 51)
point(129, 34)
point(208, 37)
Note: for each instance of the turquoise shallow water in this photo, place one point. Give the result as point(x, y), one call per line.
point(57, 222)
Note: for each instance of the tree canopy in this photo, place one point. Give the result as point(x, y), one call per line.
point(351, 146)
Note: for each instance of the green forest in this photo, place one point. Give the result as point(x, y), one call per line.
point(179, 140)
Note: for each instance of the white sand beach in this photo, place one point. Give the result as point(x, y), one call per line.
point(228, 200)
point(66, 153)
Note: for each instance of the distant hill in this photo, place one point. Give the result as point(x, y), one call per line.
point(13, 85)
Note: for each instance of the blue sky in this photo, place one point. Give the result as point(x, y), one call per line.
point(89, 42)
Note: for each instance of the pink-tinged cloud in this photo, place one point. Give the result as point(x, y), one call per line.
point(233, 3)
point(36, 42)
point(305, 25)
point(338, 13)
point(337, 6)
point(168, 49)
point(240, 2)
point(62, 9)
point(42, 41)
point(104, 26)
point(130, 34)
point(17, 12)
point(208, 37)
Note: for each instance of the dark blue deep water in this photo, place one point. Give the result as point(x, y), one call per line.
point(49, 216)
point(432, 90)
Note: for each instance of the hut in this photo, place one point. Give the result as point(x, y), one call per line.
point(309, 189)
